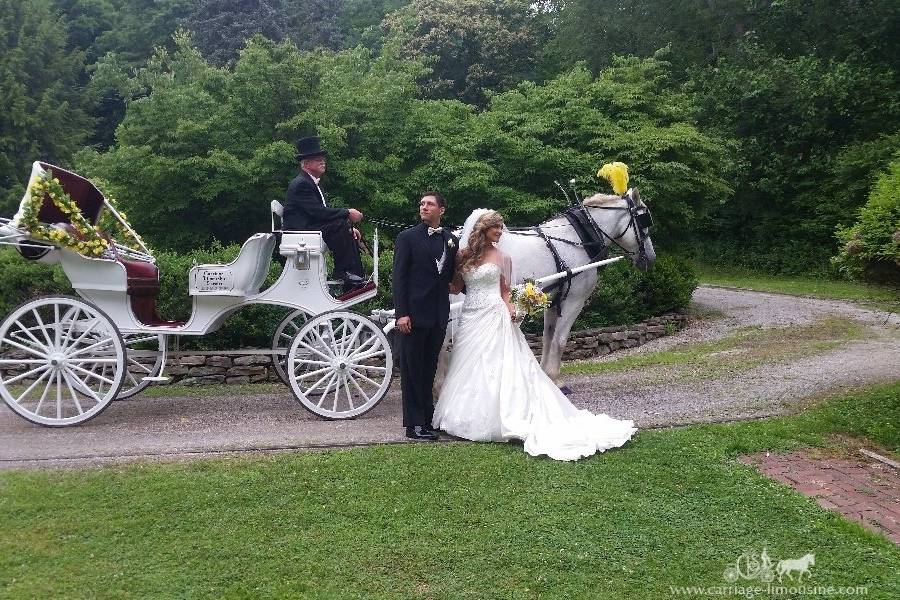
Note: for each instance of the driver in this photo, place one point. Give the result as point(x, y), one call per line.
point(306, 209)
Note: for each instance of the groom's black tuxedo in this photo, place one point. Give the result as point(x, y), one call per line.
point(421, 293)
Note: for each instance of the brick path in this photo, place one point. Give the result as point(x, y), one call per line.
point(863, 490)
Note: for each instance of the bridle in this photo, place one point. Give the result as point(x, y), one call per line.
point(639, 218)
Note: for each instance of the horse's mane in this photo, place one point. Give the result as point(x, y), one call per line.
point(600, 199)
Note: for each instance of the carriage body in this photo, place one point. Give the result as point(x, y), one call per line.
point(62, 360)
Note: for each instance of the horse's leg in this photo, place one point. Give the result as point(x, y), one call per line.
point(550, 354)
point(571, 308)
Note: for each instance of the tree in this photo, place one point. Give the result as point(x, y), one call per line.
point(136, 27)
point(43, 116)
point(870, 249)
point(812, 144)
point(507, 156)
point(596, 30)
point(202, 150)
point(473, 47)
point(222, 27)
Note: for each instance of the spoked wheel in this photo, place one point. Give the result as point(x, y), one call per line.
point(145, 357)
point(339, 365)
point(281, 341)
point(62, 361)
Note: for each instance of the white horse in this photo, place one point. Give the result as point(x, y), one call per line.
point(801, 565)
point(623, 222)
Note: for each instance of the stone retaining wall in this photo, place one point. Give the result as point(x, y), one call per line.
point(195, 368)
point(199, 368)
point(591, 343)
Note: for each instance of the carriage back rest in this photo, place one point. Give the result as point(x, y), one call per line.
point(83, 192)
point(241, 277)
point(263, 257)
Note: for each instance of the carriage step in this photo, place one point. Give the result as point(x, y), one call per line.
point(156, 379)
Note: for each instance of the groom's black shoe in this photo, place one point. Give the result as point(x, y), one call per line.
point(420, 432)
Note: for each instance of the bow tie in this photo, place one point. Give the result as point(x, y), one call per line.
point(433, 230)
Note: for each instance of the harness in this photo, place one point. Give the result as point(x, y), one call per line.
point(592, 239)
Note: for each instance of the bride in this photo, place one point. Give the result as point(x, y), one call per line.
point(494, 389)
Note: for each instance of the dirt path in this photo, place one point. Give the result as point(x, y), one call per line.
point(759, 355)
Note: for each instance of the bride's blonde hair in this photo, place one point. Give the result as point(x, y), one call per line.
point(478, 243)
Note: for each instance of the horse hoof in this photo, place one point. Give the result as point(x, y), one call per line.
point(566, 390)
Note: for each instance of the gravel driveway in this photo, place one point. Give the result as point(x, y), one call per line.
point(655, 396)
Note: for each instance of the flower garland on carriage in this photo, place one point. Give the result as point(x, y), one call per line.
point(112, 228)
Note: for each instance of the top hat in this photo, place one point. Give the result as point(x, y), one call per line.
point(308, 147)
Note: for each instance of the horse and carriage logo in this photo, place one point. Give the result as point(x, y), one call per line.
point(751, 565)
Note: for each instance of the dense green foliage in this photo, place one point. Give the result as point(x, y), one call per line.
point(626, 295)
point(871, 247)
point(472, 47)
point(43, 114)
point(754, 129)
point(811, 145)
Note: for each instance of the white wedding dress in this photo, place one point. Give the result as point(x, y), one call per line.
point(495, 389)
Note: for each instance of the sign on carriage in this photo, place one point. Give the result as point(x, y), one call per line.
point(212, 281)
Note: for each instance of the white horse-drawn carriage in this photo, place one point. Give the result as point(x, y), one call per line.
point(65, 359)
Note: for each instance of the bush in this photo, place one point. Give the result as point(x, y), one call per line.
point(870, 249)
point(625, 295)
point(25, 280)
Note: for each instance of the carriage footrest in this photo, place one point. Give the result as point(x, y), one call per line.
point(358, 292)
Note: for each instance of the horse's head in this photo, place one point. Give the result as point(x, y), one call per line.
point(626, 221)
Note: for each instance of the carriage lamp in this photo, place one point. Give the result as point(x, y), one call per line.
point(301, 257)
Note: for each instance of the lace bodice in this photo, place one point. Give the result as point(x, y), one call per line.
point(482, 286)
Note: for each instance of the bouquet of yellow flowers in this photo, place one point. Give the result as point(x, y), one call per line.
point(529, 299)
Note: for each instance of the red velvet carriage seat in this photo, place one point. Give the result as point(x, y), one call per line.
point(142, 277)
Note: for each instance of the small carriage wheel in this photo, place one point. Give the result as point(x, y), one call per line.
point(340, 365)
point(62, 361)
point(284, 335)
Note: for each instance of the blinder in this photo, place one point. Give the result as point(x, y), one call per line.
point(643, 218)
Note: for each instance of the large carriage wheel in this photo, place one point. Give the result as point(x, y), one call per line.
point(145, 357)
point(281, 341)
point(62, 361)
point(339, 365)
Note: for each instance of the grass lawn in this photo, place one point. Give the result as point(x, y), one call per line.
point(447, 521)
point(877, 296)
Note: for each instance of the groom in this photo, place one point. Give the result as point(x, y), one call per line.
point(424, 261)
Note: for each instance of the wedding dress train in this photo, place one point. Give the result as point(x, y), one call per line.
point(495, 390)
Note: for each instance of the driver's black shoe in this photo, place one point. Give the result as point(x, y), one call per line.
point(350, 279)
point(420, 432)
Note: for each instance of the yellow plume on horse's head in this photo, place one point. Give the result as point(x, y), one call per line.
point(616, 173)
